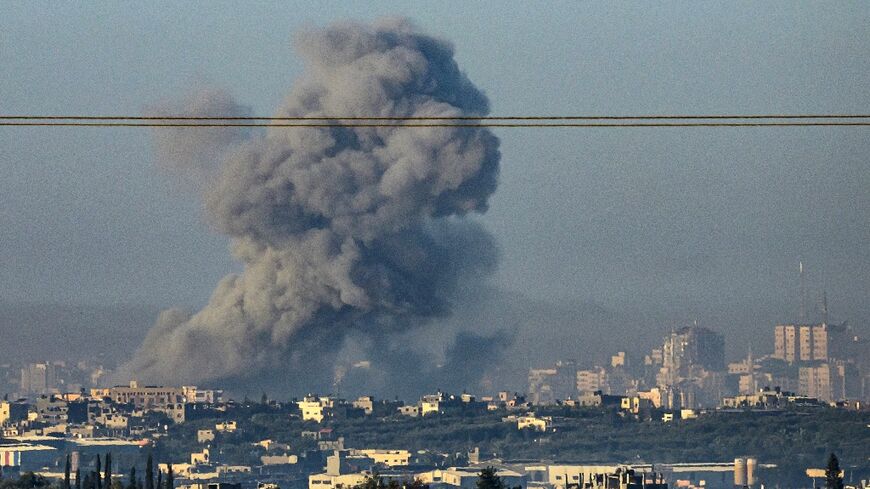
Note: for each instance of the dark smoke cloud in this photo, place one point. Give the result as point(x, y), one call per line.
point(194, 155)
point(341, 230)
point(395, 366)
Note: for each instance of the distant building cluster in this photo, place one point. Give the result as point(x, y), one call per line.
point(821, 363)
point(44, 378)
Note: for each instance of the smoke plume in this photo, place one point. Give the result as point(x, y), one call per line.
point(194, 156)
point(341, 230)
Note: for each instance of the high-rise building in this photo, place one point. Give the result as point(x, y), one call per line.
point(806, 343)
point(815, 381)
point(591, 380)
point(546, 385)
point(38, 378)
point(693, 367)
point(784, 342)
point(692, 348)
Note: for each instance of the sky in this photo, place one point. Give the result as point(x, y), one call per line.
point(665, 226)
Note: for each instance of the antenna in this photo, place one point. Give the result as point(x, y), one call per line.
point(825, 306)
point(803, 292)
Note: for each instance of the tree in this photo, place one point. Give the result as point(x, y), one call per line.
point(149, 473)
point(833, 479)
point(107, 478)
point(489, 480)
point(66, 468)
point(97, 482)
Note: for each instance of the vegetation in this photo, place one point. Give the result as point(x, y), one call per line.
point(793, 439)
point(833, 478)
point(377, 482)
point(489, 480)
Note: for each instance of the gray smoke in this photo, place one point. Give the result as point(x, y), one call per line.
point(340, 230)
point(194, 156)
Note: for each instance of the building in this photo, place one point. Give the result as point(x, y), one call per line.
point(147, 397)
point(440, 403)
point(547, 385)
point(693, 368)
point(390, 458)
point(530, 421)
point(204, 436)
point(194, 395)
point(466, 477)
point(39, 379)
point(604, 477)
point(366, 403)
point(12, 412)
point(313, 408)
point(591, 380)
point(809, 342)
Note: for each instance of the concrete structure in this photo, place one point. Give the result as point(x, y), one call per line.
point(38, 378)
point(366, 403)
point(146, 397)
point(192, 394)
point(809, 342)
point(466, 477)
point(390, 458)
point(279, 459)
point(412, 411)
point(547, 385)
point(313, 408)
point(204, 436)
point(200, 458)
point(591, 380)
point(603, 477)
point(12, 412)
point(816, 381)
point(530, 421)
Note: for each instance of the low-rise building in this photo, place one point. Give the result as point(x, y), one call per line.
point(390, 458)
point(530, 421)
point(204, 436)
point(466, 477)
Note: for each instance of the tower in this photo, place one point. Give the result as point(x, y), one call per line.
point(803, 292)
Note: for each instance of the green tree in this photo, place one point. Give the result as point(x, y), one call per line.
point(107, 478)
point(97, 482)
point(489, 480)
point(373, 481)
point(833, 479)
point(66, 468)
point(149, 472)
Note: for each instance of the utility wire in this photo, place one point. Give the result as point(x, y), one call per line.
point(433, 118)
point(180, 121)
point(417, 125)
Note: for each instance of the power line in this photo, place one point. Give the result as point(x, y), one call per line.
point(433, 118)
point(578, 121)
point(417, 125)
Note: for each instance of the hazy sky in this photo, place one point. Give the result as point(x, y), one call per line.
point(710, 221)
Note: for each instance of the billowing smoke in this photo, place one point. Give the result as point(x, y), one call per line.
point(194, 157)
point(341, 230)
